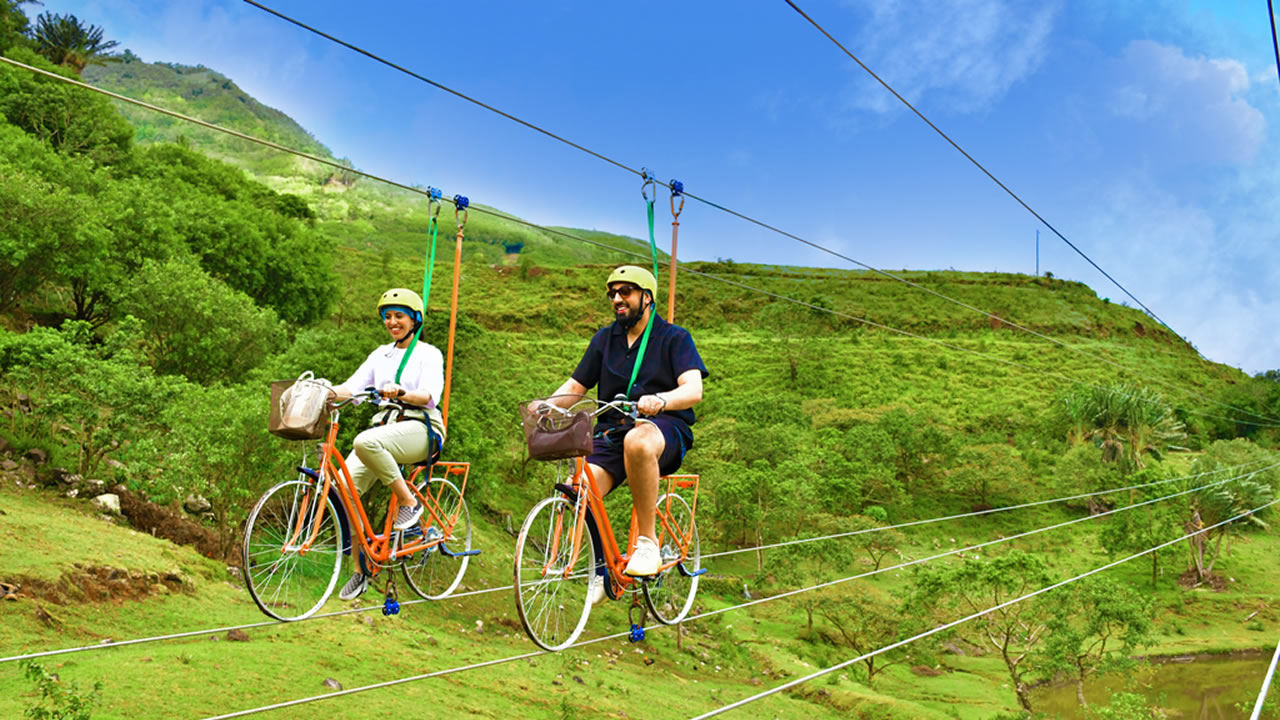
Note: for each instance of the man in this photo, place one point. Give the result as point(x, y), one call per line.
point(667, 384)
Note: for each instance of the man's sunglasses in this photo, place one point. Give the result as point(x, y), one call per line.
point(622, 291)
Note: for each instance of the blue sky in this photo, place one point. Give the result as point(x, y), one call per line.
point(1145, 131)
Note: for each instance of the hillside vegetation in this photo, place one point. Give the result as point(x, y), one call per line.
point(155, 278)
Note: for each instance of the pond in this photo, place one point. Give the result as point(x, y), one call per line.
point(1206, 687)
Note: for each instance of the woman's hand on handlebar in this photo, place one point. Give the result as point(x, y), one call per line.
point(392, 391)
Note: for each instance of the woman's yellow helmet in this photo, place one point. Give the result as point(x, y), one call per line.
point(402, 298)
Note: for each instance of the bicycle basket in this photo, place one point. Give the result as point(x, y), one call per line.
point(555, 434)
point(297, 407)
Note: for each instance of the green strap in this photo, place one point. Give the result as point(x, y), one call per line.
point(430, 263)
point(644, 341)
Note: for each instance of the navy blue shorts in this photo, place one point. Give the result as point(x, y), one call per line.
point(607, 450)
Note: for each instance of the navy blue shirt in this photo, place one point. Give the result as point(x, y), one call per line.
point(608, 363)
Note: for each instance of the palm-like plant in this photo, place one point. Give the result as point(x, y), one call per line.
point(1126, 422)
point(66, 41)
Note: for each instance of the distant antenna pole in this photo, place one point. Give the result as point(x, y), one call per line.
point(1037, 252)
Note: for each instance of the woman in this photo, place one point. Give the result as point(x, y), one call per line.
point(395, 438)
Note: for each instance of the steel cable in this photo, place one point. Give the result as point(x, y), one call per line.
point(711, 613)
point(767, 226)
point(954, 623)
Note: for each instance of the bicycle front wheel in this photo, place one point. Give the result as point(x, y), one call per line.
point(287, 580)
point(551, 596)
point(431, 573)
point(670, 594)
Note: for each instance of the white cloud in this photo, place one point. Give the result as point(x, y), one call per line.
point(1185, 110)
point(1190, 267)
point(960, 55)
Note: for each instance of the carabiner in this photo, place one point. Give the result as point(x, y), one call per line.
point(460, 212)
point(648, 181)
point(433, 202)
point(677, 190)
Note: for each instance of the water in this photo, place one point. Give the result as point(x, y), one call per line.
point(1206, 689)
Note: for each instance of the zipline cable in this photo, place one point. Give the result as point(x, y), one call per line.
point(555, 231)
point(976, 513)
point(870, 573)
point(677, 187)
point(500, 588)
point(1266, 685)
point(977, 164)
point(967, 618)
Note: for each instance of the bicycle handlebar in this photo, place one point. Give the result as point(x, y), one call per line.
point(628, 408)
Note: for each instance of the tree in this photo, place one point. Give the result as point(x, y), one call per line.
point(923, 450)
point(983, 469)
point(14, 23)
point(864, 619)
point(66, 41)
point(974, 585)
point(1124, 421)
point(195, 325)
point(72, 120)
point(1211, 506)
point(1095, 626)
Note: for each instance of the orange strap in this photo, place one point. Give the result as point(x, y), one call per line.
point(460, 214)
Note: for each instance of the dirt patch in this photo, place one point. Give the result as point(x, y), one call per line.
point(96, 584)
point(1189, 580)
point(169, 524)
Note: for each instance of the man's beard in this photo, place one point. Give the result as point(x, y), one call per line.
point(631, 317)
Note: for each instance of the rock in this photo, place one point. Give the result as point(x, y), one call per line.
point(37, 456)
point(73, 492)
point(72, 479)
point(160, 589)
point(332, 684)
point(195, 504)
point(234, 572)
point(953, 649)
point(109, 502)
point(578, 680)
point(925, 671)
point(4, 447)
point(24, 403)
point(8, 465)
point(115, 464)
point(95, 486)
point(237, 636)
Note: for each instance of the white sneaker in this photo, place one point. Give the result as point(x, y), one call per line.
point(645, 560)
point(595, 591)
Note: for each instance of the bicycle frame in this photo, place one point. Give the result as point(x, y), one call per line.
point(379, 549)
point(615, 560)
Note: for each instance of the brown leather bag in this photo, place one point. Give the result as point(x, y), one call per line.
point(553, 434)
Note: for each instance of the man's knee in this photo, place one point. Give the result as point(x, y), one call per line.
point(645, 440)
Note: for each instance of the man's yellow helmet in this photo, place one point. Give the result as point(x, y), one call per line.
point(635, 275)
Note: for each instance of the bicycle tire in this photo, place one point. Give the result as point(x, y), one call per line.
point(284, 582)
point(545, 598)
point(432, 574)
point(670, 594)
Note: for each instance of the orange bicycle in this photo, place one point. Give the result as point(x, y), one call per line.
point(297, 533)
point(554, 567)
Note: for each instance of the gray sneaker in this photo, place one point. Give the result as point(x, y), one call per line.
point(354, 588)
point(406, 517)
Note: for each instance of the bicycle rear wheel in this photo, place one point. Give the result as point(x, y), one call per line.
point(670, 594)
point(431, 573)
point(285, 581)
point(551, 598)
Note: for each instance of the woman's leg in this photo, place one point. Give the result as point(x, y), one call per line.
point(382, 450)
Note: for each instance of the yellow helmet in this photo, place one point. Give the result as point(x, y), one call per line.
point(635, 275)
point(402, 298)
